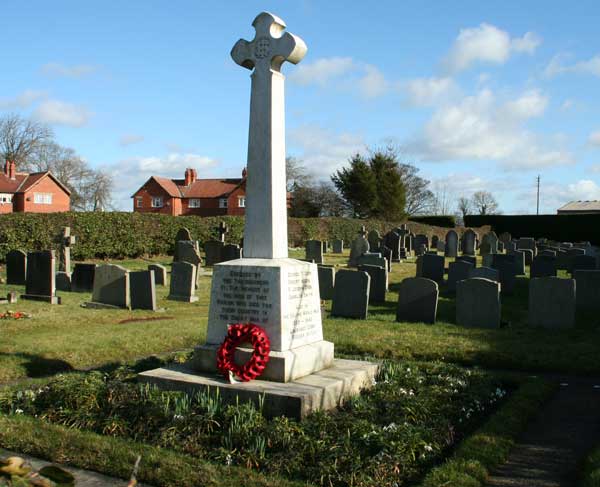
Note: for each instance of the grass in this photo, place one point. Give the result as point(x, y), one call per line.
point(68, 337)
point(591, 469)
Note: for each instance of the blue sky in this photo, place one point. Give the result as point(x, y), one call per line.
point(479, 95)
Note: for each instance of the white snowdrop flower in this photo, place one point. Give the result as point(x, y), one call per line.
point(428, 448)
point(18, 411)
point(228, 460)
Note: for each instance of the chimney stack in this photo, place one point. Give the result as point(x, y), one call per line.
point(190, 176)
point(244, 173)
point(10, 169)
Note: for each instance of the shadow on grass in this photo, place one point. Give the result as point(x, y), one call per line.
point(37, 366)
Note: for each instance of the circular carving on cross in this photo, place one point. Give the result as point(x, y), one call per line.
point(262, 47)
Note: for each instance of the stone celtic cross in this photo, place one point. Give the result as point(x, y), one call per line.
point(265, 231)
point(222, 229)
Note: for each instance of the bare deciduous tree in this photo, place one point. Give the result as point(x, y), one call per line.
point(464, 206)
point(20, 137)
point(442, 198)
point(419, 198)
point(485, 203)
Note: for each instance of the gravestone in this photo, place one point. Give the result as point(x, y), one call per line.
point(519, 261)
point(374, 239)
point(458, 271)
point(326, 281)
point(325, 246)
point(391, 240)
point(451, 247)
point(111, 287)
point(182, 234)
point(63, 281)
point(547, 253)
point(421, 240)
point(417, 300)
point(338, 246)
point(489, 244)
point(40, 280)
point(231, 252)
point(378, 283)
point(505, 238)
point(183, 282)
point(65, 240)
point(16, 267)
point(583, 263)
point(82, 279)
point(188, 252)
point(500, 247)
point(160, 274)
point(507, 270)
point(484, 273)
point(440, 247)
point(314, 251)
point(468, 258)
point(222, 230)
point(213, 250)
point(143, 290)
point(360, 246)
point(528, 254)
point(588, 290)
point(434, 241)
point(478, 303)
point(371, 258)
point(543, 266)
point(405, 246)
point(431, 267)
point(469, 239)
point(552, 302)
point(351, 294)
point(527, 243)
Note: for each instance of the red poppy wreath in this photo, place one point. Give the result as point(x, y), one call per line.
point(236, 335)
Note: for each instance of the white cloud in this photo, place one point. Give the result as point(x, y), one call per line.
point(594, 138)
point(129, 174)
point(567, 105)
point(62, 113)
point(22, 100)
point(480, 127)
point(429, 91)
point(558, 65)
point(373, 83)
point(75, 71)
point(488, 44)
point(130, 139)
point(554, 195)
point(322, 151)
point(322, 71)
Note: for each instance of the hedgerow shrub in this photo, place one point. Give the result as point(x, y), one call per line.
point(445, 221)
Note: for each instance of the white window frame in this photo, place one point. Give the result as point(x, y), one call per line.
point(194, 203)
point(6, 198)
point(139, 201)
point(42, 198)
point(157, 202)
point(222, 202)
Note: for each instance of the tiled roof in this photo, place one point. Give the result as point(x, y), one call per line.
point(169, 185)
point(11, 185)
point(210, 188)
point(24, 182)
point(581, 206)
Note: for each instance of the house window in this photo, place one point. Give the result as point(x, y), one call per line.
point(139, 201)
point(157, 202)
point(5, 198)
point(242, 202)
point(222, 202)
point(42, 198)
point(194, 203)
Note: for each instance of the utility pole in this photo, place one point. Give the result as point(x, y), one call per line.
point(538, 195)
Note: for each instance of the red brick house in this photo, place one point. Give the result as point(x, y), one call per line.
point(38, 192)
point(192, 196)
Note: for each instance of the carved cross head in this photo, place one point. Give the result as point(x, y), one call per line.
point(271, 46)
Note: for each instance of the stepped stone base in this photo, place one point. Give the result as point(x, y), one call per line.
point(282, 367)
point(325, 389)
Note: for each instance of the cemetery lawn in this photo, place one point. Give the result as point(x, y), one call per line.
point(69, 337)
point(591, 469)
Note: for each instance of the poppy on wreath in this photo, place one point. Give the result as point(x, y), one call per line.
point(236, 335)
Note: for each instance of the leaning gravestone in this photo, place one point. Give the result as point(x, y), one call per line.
point(374, 239)
point(326, 281)
point(359, 247)
point(417, 300)
point(16, 267)
point(160, 274)
point(458, 271)
point(552, 302)
point(379, 282)
point(183, 282)
point(338, 246)
point(351, 294)
point(588, 290)
point(469, 239)
point(432, 267)
point(451, 247)
point(314, 251)
point(543, 266)
point(188, 252)
point(82, 279)
point(111, 287)
point(484, 273)
point(143, 290)
point(182, 234)
point(40, 281)
point(478, 303)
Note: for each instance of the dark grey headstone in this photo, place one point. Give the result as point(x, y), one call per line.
point(82, 279)
point(183, 282)
point(392, 241)
point(338, 246)
point(40, 281)
point(417, 300)
point(314, 251)
point(469, 239)
point(468, 258)
point(374, 239)
point(528, 256)
point(519, 261)
point(458, 271)
point(451, 245)
point(372, 258)
point(112, 286)
point(552, 302)
point(326, 281)
point(431, 267)
point(360, 246)
point(143, 290)
point(421, 240)
point(187, 251)
point(379, 282)
point(213, 250)
point(63, 281)
point(478, 303)
point(527, 244)
point(507, 269)
point(543, 266)
point(231, 252)
point(16, 267)
point(484, 273)
point(351, 294)
point(583, 263)
point(160, 274)
point(588, 290)
point(182, 234)
point(547, 253)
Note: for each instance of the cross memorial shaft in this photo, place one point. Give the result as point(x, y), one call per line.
point(265, 231)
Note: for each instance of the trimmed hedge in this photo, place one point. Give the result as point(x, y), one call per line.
point(445, 221)
point(563, 228)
